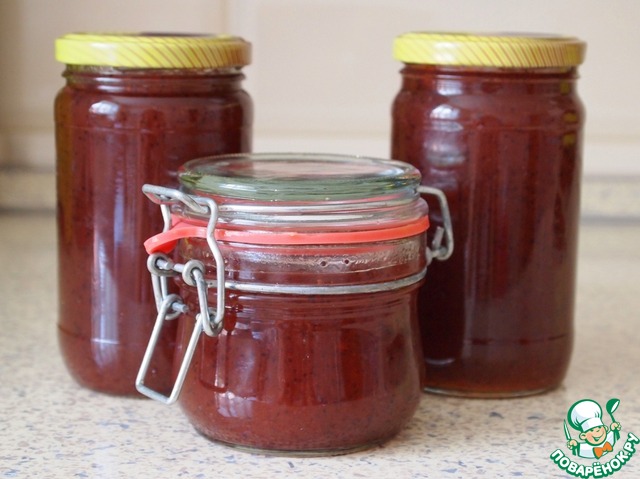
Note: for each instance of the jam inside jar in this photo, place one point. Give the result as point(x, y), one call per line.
point(319, 259)
point(134, 108)
point(495, 123)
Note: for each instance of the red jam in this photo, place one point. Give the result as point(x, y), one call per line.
point(308, 374)
point(116, 129)
point(319, 351)
point(504, 144)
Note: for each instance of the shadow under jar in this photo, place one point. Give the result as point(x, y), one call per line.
point(496, 124)
point(310, 265)
point(134, 108)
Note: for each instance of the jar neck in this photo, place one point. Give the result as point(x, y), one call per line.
point(152, 81)
point(462, 80)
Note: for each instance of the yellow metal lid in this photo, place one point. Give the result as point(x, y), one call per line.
point(490, 50)
point(151, 50)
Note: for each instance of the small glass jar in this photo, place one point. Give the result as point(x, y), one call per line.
point(495, 123)
point(133, 109)
point(310, 267)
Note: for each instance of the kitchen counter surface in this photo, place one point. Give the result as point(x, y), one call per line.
point(52, 428)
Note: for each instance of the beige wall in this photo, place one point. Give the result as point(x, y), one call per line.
point(30, 76)
point(323, 77)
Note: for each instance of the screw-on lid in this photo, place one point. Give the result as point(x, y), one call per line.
point(489, 50)
point(153, 50)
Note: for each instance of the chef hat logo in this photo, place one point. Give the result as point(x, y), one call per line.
point(585, 415)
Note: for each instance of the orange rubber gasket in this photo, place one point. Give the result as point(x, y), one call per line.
point(165, 242)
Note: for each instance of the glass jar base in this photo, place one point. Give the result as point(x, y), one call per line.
point(486, 394)
point(292, 452)
point(500, 369)
point(109, 367)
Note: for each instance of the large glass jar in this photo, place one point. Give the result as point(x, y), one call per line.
point(133, 109)
point(496, 124)
point(310, 265)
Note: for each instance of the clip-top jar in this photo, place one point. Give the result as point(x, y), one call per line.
point(133, 109)
point(495, 122)
point(302, 271)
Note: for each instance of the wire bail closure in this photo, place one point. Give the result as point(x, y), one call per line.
point(210, 320)
point(438, 250)
point(170, 306)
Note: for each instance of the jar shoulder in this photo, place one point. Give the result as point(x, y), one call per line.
point(82, 108)
point(520, 109)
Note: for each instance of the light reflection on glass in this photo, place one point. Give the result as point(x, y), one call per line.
point(104, 108)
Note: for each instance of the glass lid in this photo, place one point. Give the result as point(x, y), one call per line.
point(299, 177)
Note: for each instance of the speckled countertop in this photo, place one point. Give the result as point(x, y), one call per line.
point(51, 428)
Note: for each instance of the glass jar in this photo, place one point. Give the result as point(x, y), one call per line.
point(133, 109)
point(495, 123)
point(310, 267)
